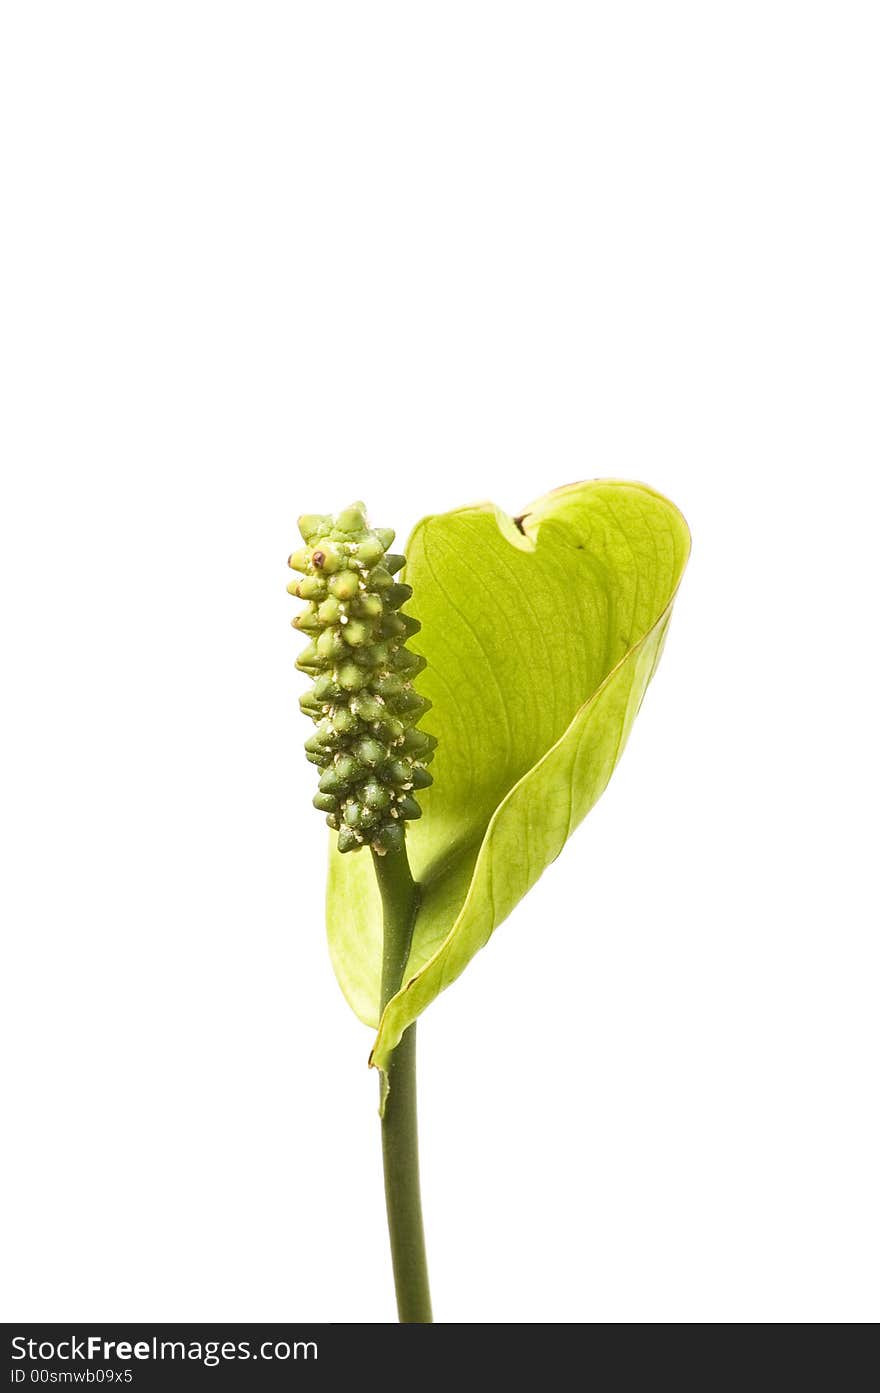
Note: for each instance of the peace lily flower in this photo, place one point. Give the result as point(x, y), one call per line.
point(532, 643)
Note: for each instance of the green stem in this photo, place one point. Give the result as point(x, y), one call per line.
point(400, 1143)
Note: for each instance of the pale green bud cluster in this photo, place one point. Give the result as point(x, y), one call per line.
point(372, 757)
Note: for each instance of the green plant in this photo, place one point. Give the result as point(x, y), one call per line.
point(534, 642)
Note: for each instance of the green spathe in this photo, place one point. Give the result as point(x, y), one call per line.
point(541, 636)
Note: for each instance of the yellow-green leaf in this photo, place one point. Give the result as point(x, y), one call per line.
point(541, 635)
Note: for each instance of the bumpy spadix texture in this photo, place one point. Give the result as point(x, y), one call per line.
point(372, 757)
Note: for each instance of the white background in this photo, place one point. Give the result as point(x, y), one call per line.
point(264, 258)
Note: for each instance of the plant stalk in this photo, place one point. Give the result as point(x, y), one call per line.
point(400, 1144)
